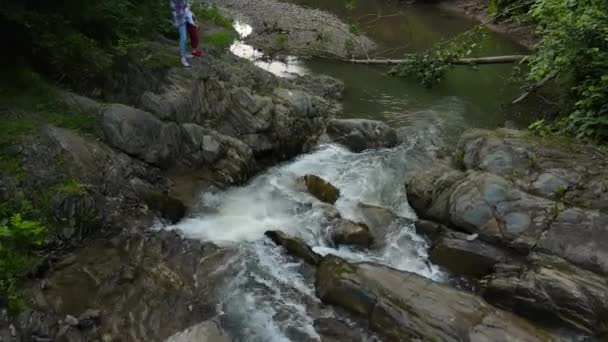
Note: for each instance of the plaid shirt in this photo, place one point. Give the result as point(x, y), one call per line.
point(178, 10)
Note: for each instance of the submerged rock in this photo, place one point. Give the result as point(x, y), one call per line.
point(321, 189)
point(361, 134)
point(294, 246)
point(405, 306)
point(346, 232)
point(380, 221)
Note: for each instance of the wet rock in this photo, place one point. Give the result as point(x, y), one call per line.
point(168, 207)
point(334, 330)
point(361, 134)
point(208, 331)
point(89, 318)
point(174, 281)
point(491, 206)
point(401, 305)
point(320, 85)
point(463, 256)
point(294, 246)
point(346, 232)
point(140, 134)
point(551, 290)
point(429, 229)
point(321, 189)
point(380, 221)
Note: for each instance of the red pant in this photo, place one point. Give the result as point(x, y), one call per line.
point(193, 33)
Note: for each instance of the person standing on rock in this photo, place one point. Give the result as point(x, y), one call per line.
point(178, 10)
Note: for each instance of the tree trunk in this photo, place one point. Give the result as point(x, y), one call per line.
point(461, 61)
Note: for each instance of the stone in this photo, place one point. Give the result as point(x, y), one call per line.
point(335, 330)
point(71, 320)
point(346, 232)
point(551, 290)
point(168, 207)
point(361, 134)
point(429, 229)
point(405, 306)
point(380, 221)
point(321, 189)
point(208, 331)
point(294, 246)
point(467, 258)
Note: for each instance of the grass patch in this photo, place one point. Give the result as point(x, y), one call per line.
point(220, 40)
point(212, 15)
point(70, 186)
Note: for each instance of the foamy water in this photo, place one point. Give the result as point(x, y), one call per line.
point(271, 298)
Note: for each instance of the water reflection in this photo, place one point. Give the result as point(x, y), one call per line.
point(288, 66)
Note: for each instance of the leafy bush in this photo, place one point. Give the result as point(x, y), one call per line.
point(19, 241)
point(79, 40)
point(574, 46)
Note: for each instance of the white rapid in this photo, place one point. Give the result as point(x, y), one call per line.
point(272, 297)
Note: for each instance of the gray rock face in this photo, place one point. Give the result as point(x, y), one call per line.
point(573, 174)
point(523, 197)
point(404, 306)
point(241, 101)
point(492, 207)
point(169, 145)
point(360, 134)
point(553, 289)
point(163, 283)
point(333, 330)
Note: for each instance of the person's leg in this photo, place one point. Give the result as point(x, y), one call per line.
point(191, 33)
point(182, 40)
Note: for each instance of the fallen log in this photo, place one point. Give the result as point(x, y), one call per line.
point(460, 61)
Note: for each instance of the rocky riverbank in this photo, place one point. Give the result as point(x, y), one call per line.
point(108, 274)
point(284, 28)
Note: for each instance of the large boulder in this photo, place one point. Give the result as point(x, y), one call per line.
point(549, 168)
point(499, 212)
point(321, 189)
point(551, 290)
point(361, 134)
point(346, 232)
point(380, 221)
point(405, 306)
point(239, 100)
point(334, 330)
point(294, 246)
point(172, 146)
point(465, 255)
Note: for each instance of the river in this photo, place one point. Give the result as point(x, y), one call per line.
point(272, 296)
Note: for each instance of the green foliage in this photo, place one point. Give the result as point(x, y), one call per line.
point(220, 40)
point(574, 45)
point(430, 67)
point(70, 186)
point(280, 41)
point(212, 15)
point(19, 241)
point(79, 41)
